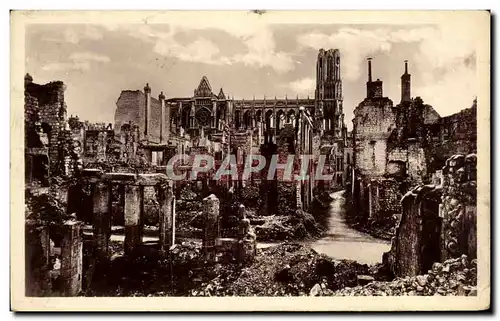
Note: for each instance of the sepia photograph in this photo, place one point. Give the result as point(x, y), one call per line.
point(320, 160)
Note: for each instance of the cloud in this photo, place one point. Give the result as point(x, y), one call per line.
point(361, 43)
point(441, 46)
point(75, 34)
point(164, 43)
point(201, 50)
point(261, 52)
point(257, 37)
point(77, 61)
point(303, 86)
point(447, 65)
point(88, 56)
point(452, 92)
point(444, 59)
point(66, 66)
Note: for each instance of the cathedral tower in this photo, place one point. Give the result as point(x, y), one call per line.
point(329, 91)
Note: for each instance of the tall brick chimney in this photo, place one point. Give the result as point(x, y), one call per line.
point(147, 114)
point(406, 85)
point(161, 97)
point(369, 69)
point(373, 88)
point(164, 120)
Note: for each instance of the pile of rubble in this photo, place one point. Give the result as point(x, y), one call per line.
point(278, 228)
point(189, 218)
point(453, 277)
point(288, 269)
point(298, 226)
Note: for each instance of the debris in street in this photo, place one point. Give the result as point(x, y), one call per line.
point(453, 277)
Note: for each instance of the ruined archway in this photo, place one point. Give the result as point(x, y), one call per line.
point(237, 122)
point(269, 119)
point(247, 121)
point(185, 117)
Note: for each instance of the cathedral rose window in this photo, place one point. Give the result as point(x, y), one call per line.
point(203, 117)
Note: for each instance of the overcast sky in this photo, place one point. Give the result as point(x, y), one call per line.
point(97, 61)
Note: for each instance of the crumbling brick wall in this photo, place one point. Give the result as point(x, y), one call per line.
point(151, 206)
point(417, 162)
point(459, 207)
point(384, 195)
point(31, 116)
point(131, 107)
point(457, 134)
point(43, 276)
point(437, 222)
point(414, 247)
point(398, 154)
point(360, 199)
point(99, 146)
point(374, 121)
point(47, 103)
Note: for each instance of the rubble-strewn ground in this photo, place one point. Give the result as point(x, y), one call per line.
point(453, 277)
point(145, 273)
point(284, 227)
point(282, 270)
point(290, 226)
point(289, 269)
point(295, 225)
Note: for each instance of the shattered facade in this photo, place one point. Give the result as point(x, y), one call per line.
point(50, 147)
point(438, 220)
point(398, 147)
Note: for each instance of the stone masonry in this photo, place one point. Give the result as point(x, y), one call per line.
point(45, 104)
point(397, 147)
point(438, 221)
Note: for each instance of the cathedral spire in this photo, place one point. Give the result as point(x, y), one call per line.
point(221, 94)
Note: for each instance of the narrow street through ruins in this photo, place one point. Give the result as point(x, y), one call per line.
point(344, 242)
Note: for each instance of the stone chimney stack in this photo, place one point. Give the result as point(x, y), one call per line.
point(369, 69)
point(406, 85)
point(147, 114)
point(373, 88)
point(164, 120)
point(161, 97)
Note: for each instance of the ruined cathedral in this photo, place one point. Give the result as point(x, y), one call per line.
point(212, 120)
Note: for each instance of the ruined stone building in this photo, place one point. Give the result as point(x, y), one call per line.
point(49, 146)
point(438, 220)
point(399, 146)
point(213, 121)
point(149, 131)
